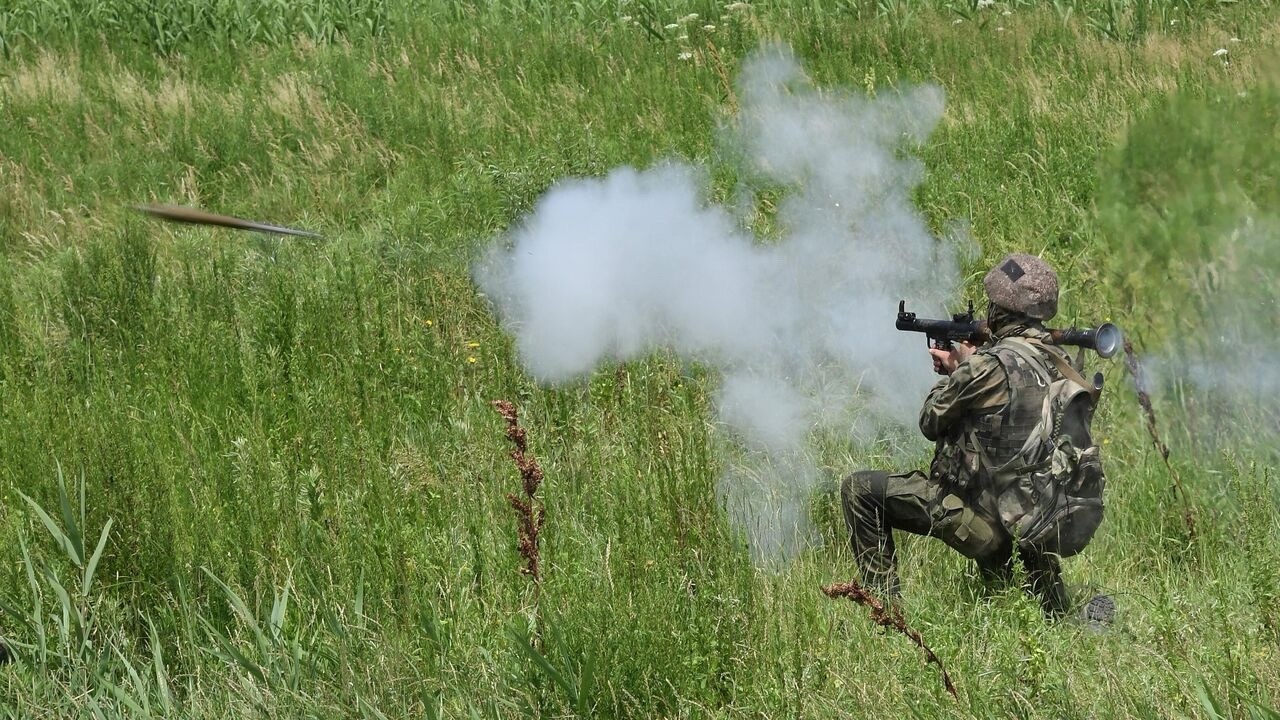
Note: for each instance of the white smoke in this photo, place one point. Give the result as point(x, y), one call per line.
point(800, 328)
point(1224, 369)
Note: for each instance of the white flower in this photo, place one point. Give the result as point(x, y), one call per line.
point(626, 18)
point(984, 4)
point(737, 6)
point(957, 21)
point(1220, 52)
point(686, 55)
point(709, 28)
point(691, 17)
point(1007, 12)
point(1234, 39)
point(1173, 21)
point(1000, 29)
point(682, 38)
point(672, 26)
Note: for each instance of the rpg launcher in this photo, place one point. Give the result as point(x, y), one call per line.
point(1104, 339)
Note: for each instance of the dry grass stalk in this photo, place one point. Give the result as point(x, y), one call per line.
point(890, 618)
point(1144, 399)
point(529, 511)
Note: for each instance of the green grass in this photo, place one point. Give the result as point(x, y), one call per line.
point(292, 442)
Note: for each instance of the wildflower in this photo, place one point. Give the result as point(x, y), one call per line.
point(683, 37)
point(671, 26)
point(625, 18)
point(473, 344)
point(709, 28)
point(957, 21)
point(984, 4)
point(1007, 13)
point(430, 323)
point(1220, 52)
point(737, 6)
point(1234, 39)
point(691, 17)
point(686, 55)
point(471, 359)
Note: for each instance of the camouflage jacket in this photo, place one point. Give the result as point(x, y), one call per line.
point(969, 415)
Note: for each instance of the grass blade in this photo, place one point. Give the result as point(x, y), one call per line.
point(230, 653)
point(92, 565)
point(62, 539)
point(157, 664)
point(74, 537)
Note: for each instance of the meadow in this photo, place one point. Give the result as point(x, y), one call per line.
point(254, 476)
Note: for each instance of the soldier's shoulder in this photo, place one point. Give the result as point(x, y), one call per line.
point(981, 363)
point(987, 357)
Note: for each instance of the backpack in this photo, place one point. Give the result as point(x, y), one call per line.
point(1049, 496)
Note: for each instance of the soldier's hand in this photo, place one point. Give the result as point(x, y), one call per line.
point(946, 361)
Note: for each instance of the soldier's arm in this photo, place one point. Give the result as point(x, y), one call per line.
point(977, 384)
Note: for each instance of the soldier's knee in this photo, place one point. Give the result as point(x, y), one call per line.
point(860, 483)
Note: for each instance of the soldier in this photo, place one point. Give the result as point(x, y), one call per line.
point(981, 415)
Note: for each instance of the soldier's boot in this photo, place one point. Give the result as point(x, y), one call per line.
point(1098, 614)
point(1044, 580)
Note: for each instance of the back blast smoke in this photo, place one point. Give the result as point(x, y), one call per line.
point(800, 328)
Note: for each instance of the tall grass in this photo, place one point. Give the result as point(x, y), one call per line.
point(167, 27)
point(287, 450)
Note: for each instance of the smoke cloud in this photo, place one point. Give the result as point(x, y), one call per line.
point(1224, 369)
point(799, 325)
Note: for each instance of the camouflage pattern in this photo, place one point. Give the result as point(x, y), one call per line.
point(877, 502)
point(1025, 284)
point(978, 424)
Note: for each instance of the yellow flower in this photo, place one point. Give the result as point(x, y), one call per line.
point(473, 344)
point(430, 323)
point(471, 358)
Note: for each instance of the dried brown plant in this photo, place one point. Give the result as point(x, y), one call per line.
point(1144, 399)
point(530, 512)
point(889, 618)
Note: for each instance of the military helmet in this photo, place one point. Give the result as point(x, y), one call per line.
point(1024, 284)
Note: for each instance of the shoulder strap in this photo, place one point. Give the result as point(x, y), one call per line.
point(1013, 468)
point(1031, 354)
point(1067, 371)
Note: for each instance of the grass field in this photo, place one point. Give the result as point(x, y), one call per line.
point(287, 446)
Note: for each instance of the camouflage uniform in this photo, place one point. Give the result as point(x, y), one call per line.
point(977, 428)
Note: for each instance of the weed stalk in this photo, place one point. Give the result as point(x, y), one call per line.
point(530, 512)
point(1144, 399)
point(890, 618)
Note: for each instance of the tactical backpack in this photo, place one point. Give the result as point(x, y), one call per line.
point(1049, 495)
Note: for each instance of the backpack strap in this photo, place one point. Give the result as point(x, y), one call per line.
point(1033, 355)
point(1012, 469)
point(1067, 371)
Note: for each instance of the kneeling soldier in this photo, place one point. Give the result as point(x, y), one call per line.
point(992, 465)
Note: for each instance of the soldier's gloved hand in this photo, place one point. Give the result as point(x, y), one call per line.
point(945, 361)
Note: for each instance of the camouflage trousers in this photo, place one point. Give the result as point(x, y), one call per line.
point(876, 503)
